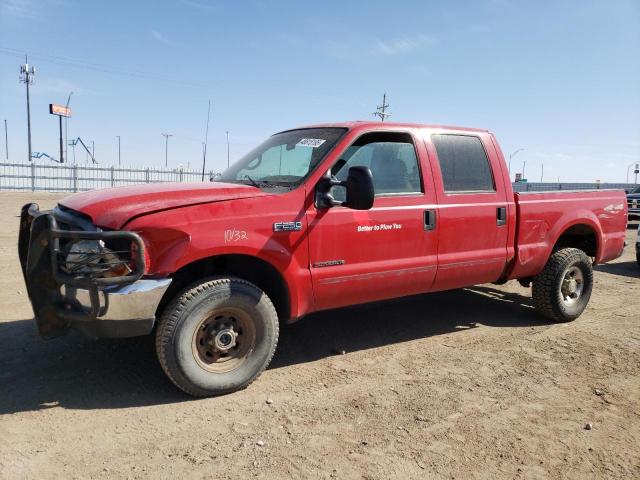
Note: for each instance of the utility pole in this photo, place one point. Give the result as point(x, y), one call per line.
point(6, 141)
point(524, 164)
point(26, 76)
point(166, 148)
point(381, 110)
point(541, 171)
point(118, 137)
point(228, 149)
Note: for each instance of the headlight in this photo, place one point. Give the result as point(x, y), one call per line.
point(92, 258)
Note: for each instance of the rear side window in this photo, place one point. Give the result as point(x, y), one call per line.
point(464, 164)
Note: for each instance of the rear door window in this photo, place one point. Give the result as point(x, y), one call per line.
point(464, 164)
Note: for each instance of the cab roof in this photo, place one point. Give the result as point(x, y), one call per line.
point(369, 124)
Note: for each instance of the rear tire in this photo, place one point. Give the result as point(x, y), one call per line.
point(562, 290)
point(217, 336)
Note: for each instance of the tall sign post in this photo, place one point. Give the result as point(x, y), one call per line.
point(60, 111)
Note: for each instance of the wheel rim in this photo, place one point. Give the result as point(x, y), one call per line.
point(223, 340)
point(572, 286)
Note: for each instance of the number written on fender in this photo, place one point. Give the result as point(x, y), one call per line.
point(235, 235)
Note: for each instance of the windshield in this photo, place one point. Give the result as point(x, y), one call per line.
point(635, 190)
point(285, 159)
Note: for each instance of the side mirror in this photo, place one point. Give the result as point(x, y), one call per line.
point(359, 189)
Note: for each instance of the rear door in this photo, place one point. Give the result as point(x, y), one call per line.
point(472, 219)
point(384, 252)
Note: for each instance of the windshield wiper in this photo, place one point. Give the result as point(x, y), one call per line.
point(260, 183)
point(253, 182)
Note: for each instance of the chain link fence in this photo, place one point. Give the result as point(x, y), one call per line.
point(77, 178)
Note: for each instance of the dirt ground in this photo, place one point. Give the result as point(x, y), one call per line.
point(462, 384)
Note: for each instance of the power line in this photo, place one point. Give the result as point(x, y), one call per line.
point(86, 65)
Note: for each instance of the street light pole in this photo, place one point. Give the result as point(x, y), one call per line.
point(524, 164)
point(6, 140)
point(118, 137)
point(227, 148)
point(66, 130)
point(166, 148)
point(513, 154)
point(629, 167)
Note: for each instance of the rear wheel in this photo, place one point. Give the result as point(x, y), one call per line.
point(217, 336)
point(562, 290)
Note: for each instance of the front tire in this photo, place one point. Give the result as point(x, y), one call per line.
point(562, 290)
point(217, 336)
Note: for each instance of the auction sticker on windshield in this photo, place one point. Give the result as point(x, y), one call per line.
point(310, 142)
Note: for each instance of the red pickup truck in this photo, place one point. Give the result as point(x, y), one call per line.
point(313, 218)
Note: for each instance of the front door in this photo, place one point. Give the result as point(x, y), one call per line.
point(387, 251)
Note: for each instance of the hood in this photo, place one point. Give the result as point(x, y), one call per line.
point(113, 207)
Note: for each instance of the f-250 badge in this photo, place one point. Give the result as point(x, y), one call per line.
point(287, 226)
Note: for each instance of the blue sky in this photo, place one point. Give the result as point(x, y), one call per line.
point(560, 79)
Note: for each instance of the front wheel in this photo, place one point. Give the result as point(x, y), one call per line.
point(217, 336)
point(562, 290)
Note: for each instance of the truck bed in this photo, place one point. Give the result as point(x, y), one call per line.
point(542, 217)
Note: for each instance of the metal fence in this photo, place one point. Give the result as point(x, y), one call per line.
point(554, 186)
point(77, 178)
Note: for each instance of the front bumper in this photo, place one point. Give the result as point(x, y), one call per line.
point(125, 311)
point(116, 306)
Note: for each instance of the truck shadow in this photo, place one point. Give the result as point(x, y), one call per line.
point(74, 372)
point(623, 269)
point(383, 323)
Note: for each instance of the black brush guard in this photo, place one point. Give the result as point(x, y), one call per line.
point(39, 251)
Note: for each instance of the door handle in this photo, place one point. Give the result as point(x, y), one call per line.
point(429, 220)
point(501, 216)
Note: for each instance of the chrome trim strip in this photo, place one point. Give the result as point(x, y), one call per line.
point(368, 276)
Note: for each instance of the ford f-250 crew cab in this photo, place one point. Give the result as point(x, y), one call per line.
point(312, 219)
